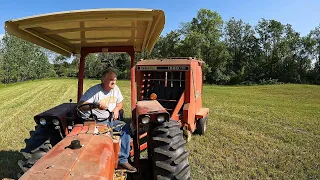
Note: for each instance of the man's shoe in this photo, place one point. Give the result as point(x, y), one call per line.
point(127, 167)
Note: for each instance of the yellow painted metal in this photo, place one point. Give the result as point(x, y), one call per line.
point(69, 31)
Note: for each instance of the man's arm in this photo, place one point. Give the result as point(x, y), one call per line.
point(86, 98)
point(118, 107)
point(119, 104)
point(116, 110)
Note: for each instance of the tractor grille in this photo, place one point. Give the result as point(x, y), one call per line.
point(143, 129)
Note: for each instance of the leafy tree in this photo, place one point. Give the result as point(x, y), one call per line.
point(239, 38)
point(234, 52)
point(22, 61)
point(201, 38)
point(313, 47)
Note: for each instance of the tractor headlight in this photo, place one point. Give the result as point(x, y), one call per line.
point(145, 120)
point(43, 121)
point(55, 122)
point(161, 119)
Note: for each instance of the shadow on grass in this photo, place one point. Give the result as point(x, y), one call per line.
point(9, 164)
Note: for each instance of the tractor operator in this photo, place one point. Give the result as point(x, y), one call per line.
point(109, 96)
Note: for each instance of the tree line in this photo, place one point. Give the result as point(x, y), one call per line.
point(234, 52)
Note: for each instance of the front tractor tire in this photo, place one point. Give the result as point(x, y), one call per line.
point(40, 142)
point(169, 156)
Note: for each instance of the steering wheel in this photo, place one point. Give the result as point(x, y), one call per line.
point(99, 115)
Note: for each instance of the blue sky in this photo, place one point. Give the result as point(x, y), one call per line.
point(303, 15)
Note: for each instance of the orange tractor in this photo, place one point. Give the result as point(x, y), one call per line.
point(166, 100)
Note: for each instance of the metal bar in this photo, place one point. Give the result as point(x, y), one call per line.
point(133, 89)
point(127, 49)
point(177, 108)
point(146, 35)
point(103, 28)
point(81, 74)
point(49, 40)
point(100, 38)
point(143, 135)
point(158, 19)
point(143, 146)
point(82, 33)
point(170, 100)
point(67, 19)
point(136, 142)
point(163, 79)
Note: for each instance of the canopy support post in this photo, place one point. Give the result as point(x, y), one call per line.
point(81, 74)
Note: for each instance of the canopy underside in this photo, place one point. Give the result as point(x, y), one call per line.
point(67, 32)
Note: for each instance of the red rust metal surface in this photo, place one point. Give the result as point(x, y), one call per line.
point(59, 112)
point(116, 147)
point(142, 147)
point(133, 88)
point(95, 160)
point(177, 108)
point(84, 130)
point(166, 62)
point(150, 107)
point(76, 130)
point(192, 99)
point(203, 112)
point(81, 74)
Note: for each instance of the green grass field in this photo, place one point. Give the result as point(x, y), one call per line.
point(254, 132)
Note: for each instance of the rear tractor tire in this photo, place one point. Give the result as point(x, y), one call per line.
point(169, 156)
point(39, 143)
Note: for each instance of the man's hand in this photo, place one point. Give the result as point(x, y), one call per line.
point(102, 106)
point(115, 113)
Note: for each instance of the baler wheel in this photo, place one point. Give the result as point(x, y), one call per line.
point(169, 156)
point(202, 125)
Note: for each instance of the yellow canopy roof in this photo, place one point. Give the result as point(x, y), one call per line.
point(67, 32)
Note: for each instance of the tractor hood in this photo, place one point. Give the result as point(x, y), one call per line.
point(94, 160)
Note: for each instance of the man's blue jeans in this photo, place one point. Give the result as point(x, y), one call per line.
point(124, 136)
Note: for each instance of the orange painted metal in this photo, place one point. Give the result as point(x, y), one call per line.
point(94, 160)
point(150, 107)
point(143, 135)
point(166, 62)
point(180, 103)
point(116, 147)
point(191, 100)
point(58, 112)
point(203, 112)
point(142, 147)
point(76, 130)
